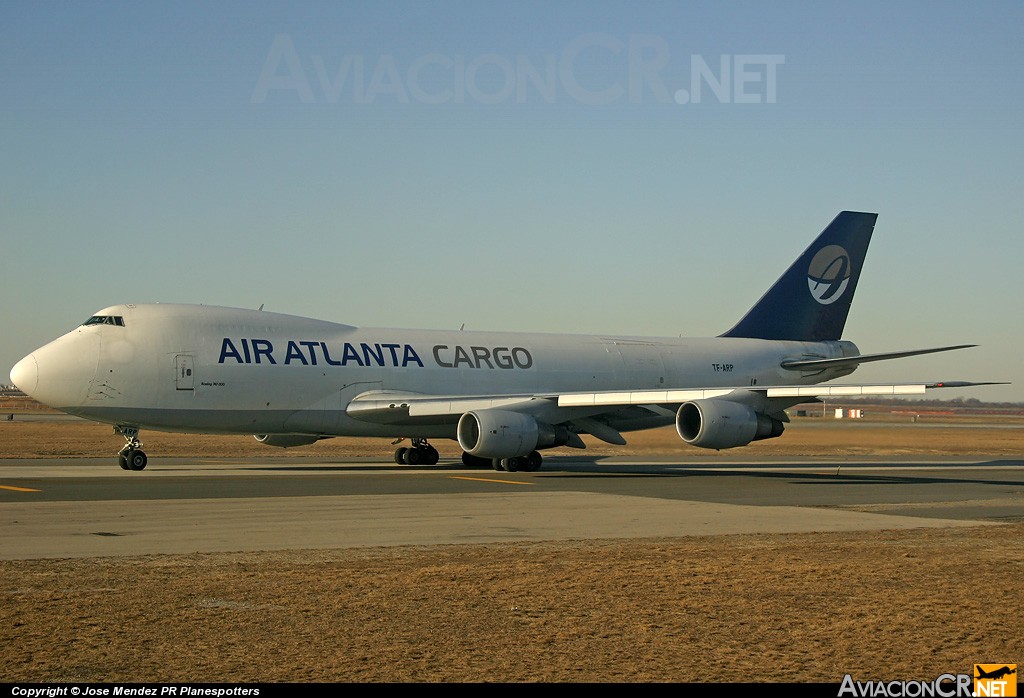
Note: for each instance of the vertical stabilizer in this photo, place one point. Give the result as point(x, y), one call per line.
point(811, 300)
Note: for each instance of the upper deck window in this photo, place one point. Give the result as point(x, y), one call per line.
point(105, 320)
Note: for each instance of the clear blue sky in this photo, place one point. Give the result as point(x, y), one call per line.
point(618, 168)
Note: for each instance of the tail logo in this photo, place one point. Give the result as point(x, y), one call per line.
point(829, 274)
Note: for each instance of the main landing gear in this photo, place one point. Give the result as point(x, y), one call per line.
point(131, 457)
point(528, 463)
point(420, 453)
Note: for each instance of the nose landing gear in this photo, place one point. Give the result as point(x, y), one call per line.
point(131, 457)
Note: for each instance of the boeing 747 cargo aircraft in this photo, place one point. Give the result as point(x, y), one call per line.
point(291, 381)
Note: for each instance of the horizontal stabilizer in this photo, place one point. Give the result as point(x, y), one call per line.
point(853, 361)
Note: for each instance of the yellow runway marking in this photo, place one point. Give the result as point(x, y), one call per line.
point(18, 489)
point(488, 479)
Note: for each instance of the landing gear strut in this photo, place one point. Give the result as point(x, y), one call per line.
point(420, 453)
point(131, 457)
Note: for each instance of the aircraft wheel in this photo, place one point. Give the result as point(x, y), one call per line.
point(136, 460)
point(511, 464)
point(497, 464)
point(123, 462)
point(432, 456)
point(533, 462)
point(471, 461)
point(413, 456)
point(400, 455)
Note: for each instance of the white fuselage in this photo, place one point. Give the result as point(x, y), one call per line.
point(224, 370)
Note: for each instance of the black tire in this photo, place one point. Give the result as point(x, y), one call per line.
point(400, 455)
point(497, 464)
point(413, 456)
point(533, 462)
point(432, 456)
point(511, 464)
point(122, 460)
point(137, 460)
point(471, 461)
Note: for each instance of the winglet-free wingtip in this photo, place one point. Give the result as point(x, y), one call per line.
point(965, 384)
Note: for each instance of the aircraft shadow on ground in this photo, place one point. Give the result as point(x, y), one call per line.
point(804, 474)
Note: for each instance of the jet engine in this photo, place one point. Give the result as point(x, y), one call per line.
point(722, 424)
point(286, 440)
point(504, 434)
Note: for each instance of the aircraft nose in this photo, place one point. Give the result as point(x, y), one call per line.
point(60, 373)
point(25, 374)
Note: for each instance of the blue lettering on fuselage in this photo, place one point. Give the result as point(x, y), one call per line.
point(307, 352)
point(227, 350)
point(327, 355)
point(482, 357)
point(313, 353)
point(294, 353)
point(261, 348)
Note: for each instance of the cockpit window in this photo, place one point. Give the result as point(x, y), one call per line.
point(105, 320)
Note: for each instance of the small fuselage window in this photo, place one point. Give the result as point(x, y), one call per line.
point(105, 320)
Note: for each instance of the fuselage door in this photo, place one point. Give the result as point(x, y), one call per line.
point(184, 378)
point(642, 364)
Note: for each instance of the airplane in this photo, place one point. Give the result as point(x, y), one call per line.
point(996, 674)
point(504, 397)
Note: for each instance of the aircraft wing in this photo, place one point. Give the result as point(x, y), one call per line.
point(605, 414)
point(392, 407)
point(783, 393)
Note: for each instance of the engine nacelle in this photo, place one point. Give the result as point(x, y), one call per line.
point(504, 434)
point(286, 440)
point(722, 424)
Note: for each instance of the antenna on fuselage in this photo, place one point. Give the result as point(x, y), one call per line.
point(261, 306)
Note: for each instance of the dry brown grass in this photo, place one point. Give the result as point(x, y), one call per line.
point(735, 608)
point(883, 435)
point(810, 607)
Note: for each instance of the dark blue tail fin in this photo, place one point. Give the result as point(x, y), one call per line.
point(811, 300)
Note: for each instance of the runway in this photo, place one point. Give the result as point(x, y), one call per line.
point(74, 508)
